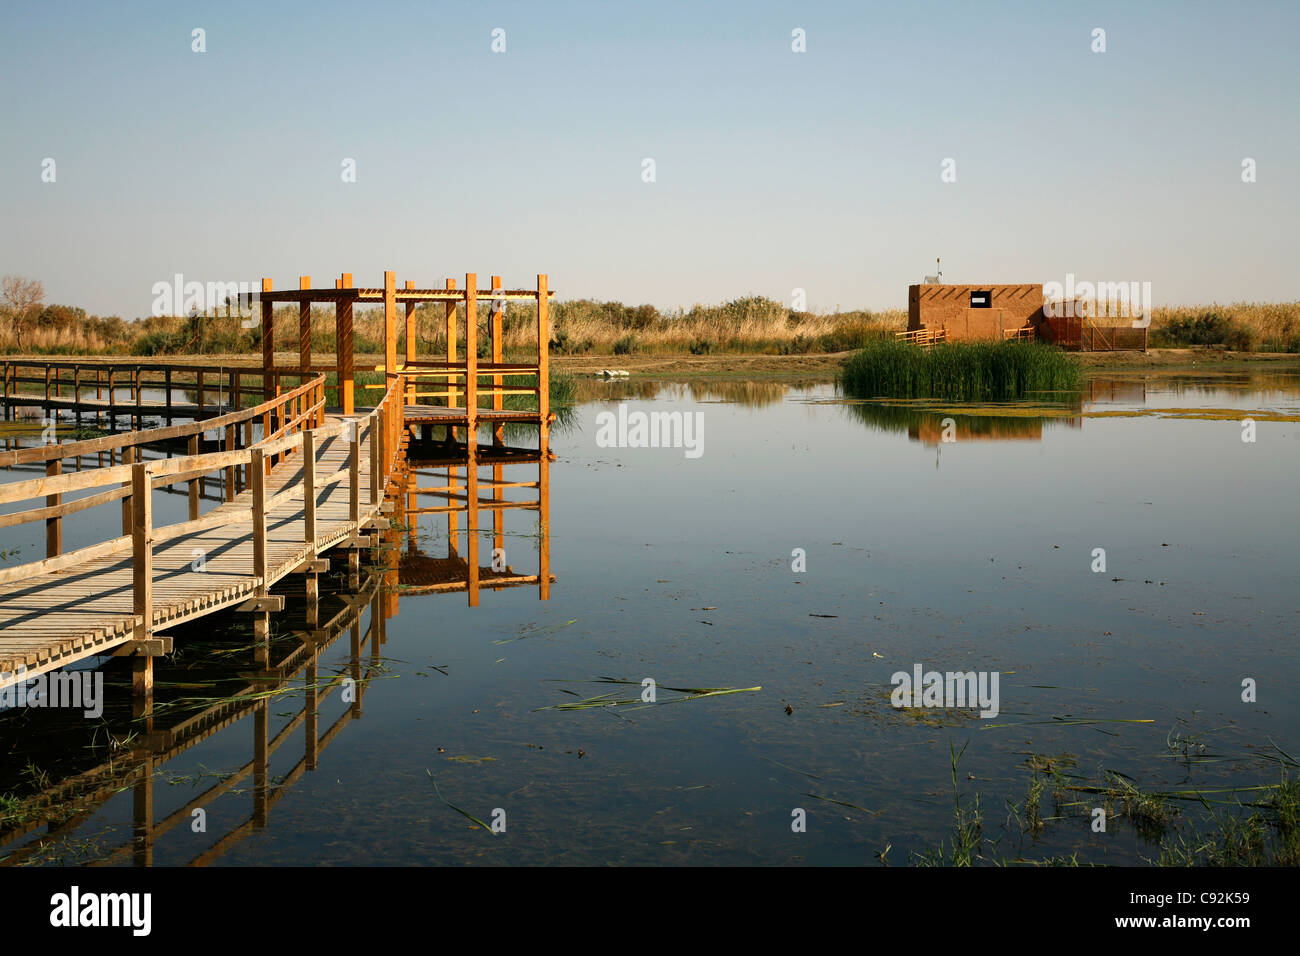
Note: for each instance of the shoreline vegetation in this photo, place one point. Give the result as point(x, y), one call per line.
point(580, 328)
point(960, 371)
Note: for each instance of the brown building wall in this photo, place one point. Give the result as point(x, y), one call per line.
point(948, 306)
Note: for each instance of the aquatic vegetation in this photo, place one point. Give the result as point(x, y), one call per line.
point(959, 371)
point(468, 816)
point(1264, 833)
point(967, 828)
point(609, 700)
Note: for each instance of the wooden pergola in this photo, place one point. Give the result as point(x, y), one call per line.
point(458, 374)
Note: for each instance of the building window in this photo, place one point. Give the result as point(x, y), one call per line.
point(981, 299)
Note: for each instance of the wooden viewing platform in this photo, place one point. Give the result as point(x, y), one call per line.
point(301, 476)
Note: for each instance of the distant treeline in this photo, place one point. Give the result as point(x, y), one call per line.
point(579, 326)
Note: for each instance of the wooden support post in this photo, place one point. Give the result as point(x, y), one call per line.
point(453, 520)
point(142, 836)
point(53, 526)
point(372, 440)
point(261, 764)
point(498, 351)
point(390, 328)
point(230, 471)
point(194, 482)
point(354, 501)
point(257, 472)
point(544, 525)
point(471, 356)
point(381, 447)
point(261, 619)
point(471, 516)
point(128, 458)
point(304, 327)
point(268, 344)
point(309, 708)
point(309, 489)
point(543, 360)
point(343, 348)
point(451, 349)
point(76, 399)
point(142, 559)
point(498, 513)
point(354, 645)
point(410, 346)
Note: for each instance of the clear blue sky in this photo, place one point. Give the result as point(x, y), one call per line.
point(775, 170)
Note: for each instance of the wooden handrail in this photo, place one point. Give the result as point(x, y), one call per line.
point(149, 435)
point(134, 480)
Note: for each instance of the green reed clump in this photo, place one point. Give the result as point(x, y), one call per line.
point(958, 371)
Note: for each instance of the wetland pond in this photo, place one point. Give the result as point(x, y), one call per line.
point(814, 548)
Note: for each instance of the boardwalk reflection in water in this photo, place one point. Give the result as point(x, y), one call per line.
point(77, 791)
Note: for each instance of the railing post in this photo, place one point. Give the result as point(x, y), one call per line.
point(53, 526)
point(309, 488)
point(410, 346)
point(496, 332)
point(142, 553)
point(451, 348)
point(543, 361)
point(257, 474)
point(471, 356)
point(194, 482)
point(230, 469)
point(128, 458)
point(354, 474)
point(372, 439)
point(382, 447)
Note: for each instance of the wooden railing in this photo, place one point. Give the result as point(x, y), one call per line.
point(1024, 334)
point(923, 337)
point(132, 483)
point(121, 386)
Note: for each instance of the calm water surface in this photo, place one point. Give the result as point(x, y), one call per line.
point(974, 554)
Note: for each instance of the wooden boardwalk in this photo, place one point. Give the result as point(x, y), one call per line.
point(298, 480)
point(314, 482)
point(54, 619)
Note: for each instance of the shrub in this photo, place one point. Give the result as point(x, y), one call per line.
point(625, 345)
point(1208, 328)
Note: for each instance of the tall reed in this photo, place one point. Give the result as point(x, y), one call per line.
point(959, 371)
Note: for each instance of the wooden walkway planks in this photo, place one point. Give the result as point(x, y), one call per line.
point(51, 620)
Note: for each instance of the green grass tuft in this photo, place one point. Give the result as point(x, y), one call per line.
point(959, 371)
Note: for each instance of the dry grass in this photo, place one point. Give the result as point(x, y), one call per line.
point(1259, 326)
point(750, 325)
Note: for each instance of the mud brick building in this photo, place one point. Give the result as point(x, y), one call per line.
point(974, 311)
